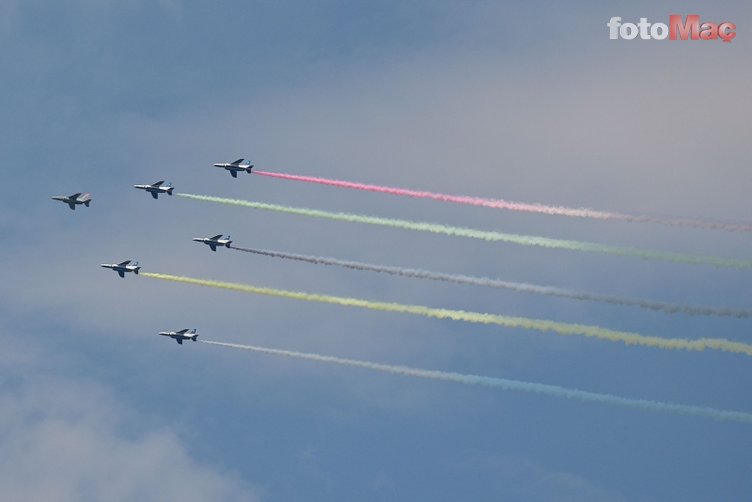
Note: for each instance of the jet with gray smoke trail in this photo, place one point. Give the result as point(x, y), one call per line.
point(215, 241)
point(75, 199)
point(156, 188)
point(181, 335)
point(235, 167)
point(123, 267)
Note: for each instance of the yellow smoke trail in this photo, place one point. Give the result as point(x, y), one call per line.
point(525, 240)
point(478, 317)
point(505, 384)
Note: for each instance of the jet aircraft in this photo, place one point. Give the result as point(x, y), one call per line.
point(215, 241)
point(181, 335)
point(234, 167)
point(123, 267)
point(156, 188)
point(73, 200)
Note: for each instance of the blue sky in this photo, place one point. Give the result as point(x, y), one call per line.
point(525, 101)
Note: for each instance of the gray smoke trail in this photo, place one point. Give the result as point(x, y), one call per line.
point(666, 308)
point(506, 384)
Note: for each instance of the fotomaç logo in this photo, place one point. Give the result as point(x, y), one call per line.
point(676, 29)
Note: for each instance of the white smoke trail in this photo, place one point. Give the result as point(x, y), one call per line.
point(506, 384)
point(666, 308)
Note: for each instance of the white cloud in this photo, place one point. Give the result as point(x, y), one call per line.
point(67, 439)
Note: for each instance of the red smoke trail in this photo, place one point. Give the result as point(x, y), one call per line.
point(514, 206)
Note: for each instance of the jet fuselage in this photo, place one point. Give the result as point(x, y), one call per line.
point(180, 336)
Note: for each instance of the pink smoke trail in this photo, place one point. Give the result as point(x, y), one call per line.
point(514, 206)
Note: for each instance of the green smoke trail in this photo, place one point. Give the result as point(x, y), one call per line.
point(506, 384)
point(560, 328)
point(525, 240)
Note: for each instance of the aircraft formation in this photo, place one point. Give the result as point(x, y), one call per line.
point(541, 325)
point(156, 188)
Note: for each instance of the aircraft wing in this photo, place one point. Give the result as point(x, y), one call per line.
point(213, 246)
point(237, 162)
point(216, 237)
point(155, 195)
point(182, 331)
point(234, 174)
point(158, 183)
point(75, 196)
point(121, 273)
point(126, 262)
point(180, 342)
point(72, 205)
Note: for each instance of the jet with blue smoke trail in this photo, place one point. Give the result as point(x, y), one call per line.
point(507, 384)
point(180, 336)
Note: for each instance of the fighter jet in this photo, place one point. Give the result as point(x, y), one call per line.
point(123, 267)
point(215, 241)
point(234, 167)
point(156, 188)
point(73, 200)
point(181, 335)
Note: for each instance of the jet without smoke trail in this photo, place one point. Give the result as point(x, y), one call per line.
point(560, 328)
point(525, 240)
point(666, 308)
point(506, 384)
point(515, 206)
